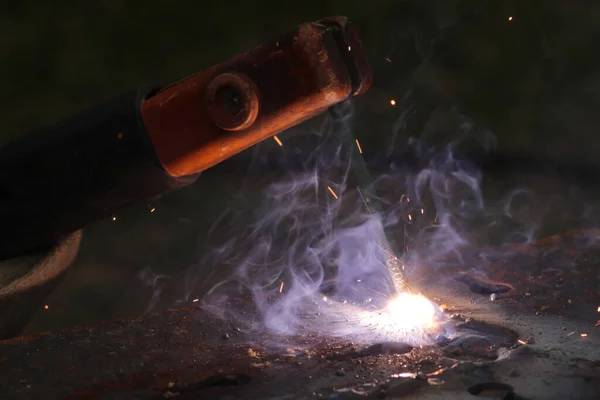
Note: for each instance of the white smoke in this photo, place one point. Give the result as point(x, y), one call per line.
point(313, 237)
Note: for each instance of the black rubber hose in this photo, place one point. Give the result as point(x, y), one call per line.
point(76, 172)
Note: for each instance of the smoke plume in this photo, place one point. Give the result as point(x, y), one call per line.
point(323, 233)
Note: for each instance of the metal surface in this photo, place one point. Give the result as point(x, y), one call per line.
point(279, 85)
point(179, 350)
point(190, 353)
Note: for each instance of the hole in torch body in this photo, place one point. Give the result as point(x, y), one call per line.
point(232, 101)
point(230, 98)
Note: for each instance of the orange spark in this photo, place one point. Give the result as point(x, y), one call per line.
point(393, 102)
point(597, 323)
point(436, 217)
point(152, 209)
point(422, 211)
point(195, 300)
point(349, 48)
point(114, 218)
point(332, 192)
point(278, 141)
point(388, 59)
point(570, 333)
point(510, 18)
point(409, 217)
point(584, 335)
point(281, 287)
point(358, 145)
point(521, 341)
point(46, 307)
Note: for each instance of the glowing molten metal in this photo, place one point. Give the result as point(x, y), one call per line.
point(413, 311)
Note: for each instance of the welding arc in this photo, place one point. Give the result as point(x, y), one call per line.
point(367, 192)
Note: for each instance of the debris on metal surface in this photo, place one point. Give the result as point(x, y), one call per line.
point(183, 352)
point(190, 353)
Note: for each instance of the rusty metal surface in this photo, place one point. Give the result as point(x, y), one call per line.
point(557, 275)
point(181, 350)
point(190, 353)
point(294, 78)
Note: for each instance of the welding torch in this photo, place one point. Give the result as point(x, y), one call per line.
point(152, 141)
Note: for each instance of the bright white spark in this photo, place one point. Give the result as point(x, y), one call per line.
point(413, 311)
point(408, 318)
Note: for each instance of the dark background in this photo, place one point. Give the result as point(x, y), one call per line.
point(532, 83)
